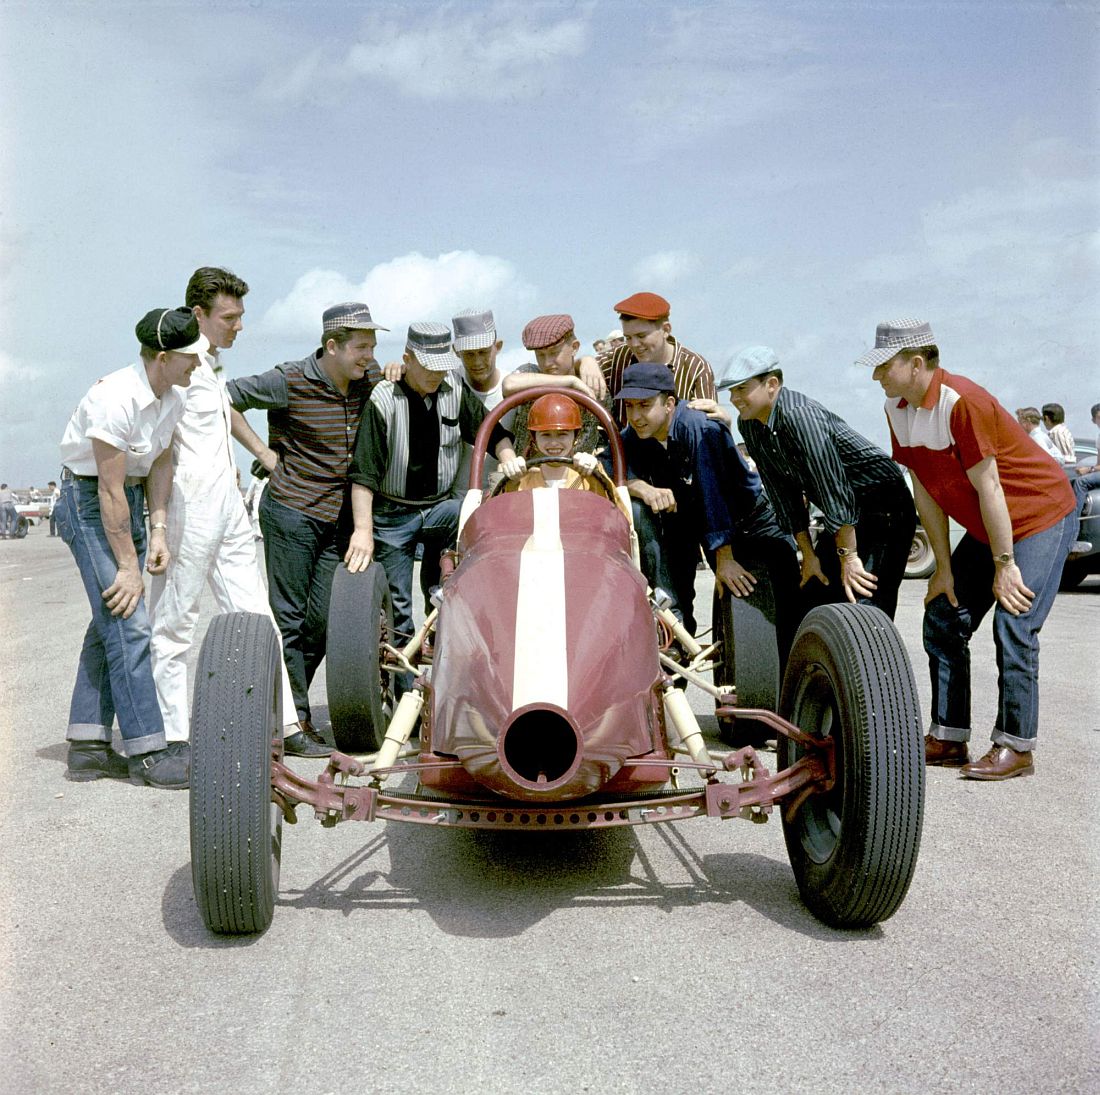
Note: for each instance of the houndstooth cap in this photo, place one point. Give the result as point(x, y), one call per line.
point(475, 329)
point(894, 335)
point(352, 315)
point(430, 344)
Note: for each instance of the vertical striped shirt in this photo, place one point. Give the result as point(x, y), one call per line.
point(691, 371)
point(804, 451)
point(312, 426)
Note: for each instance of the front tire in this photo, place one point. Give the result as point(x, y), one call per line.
point(854, 848)
point(359, 691)
point(236, 720)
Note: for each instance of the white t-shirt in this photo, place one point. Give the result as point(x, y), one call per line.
point(201, 444)
point(489, 400)
point(121, 410)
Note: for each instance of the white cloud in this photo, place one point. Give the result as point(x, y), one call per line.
point(506, 52)
point(14, 372)
point(407, 288)
point(665, 267)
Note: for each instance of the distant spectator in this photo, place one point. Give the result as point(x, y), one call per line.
point(9, 515)
point(614, 339)
point(600, 345)
point(1054, 418)
point(55, 494)
point(1032, 421)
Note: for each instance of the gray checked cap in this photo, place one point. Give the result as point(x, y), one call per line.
point(351, 314)
point(430, 344)
point(750, 362)
point(895, 335)
point(475, 329)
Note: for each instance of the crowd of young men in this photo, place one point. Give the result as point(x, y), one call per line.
point(368, 467)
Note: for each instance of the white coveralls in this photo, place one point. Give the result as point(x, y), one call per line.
point(210, 539)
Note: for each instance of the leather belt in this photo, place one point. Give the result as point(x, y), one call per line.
point(68, 473)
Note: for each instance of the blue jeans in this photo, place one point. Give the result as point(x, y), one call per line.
point(668, 550)
point(9, 518)
point(884, 535)
point(301, 554)
point(398, 528)
point(114, 674)
point(947, 632)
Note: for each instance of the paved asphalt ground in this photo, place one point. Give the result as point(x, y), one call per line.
point(662, 958)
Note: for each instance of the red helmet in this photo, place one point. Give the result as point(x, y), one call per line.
point(553, 412)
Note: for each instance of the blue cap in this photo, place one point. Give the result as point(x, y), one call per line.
point(646, 378)
point(750, 362)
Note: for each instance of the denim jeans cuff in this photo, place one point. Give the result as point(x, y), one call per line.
point(147, 743)
point(87, 731)
point(948, 733)
point(1021, 745)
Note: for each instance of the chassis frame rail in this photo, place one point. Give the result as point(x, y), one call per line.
point(334, 798)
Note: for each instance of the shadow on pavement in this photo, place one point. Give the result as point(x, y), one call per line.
point(493, 884)
point(183, 922)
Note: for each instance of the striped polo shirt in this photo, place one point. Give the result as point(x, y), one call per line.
point(692, 372)
point(312, 426)
point(805, 451)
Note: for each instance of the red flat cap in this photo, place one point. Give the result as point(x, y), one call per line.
point(644, 306)
point(544, 331)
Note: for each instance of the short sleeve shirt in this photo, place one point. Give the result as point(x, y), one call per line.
point(202, 437)
point(122, 411)
point(959, 424)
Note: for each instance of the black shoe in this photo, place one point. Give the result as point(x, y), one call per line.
point(306, 743)
point(90, 760)
point(169, 768)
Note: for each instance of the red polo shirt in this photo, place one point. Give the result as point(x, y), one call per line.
point(957, 425)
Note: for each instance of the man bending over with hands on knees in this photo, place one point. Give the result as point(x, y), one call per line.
point(971, 460)
point(118, 446)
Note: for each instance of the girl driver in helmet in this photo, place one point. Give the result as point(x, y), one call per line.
point(553, 422)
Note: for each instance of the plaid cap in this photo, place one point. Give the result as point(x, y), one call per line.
point(475, 329)
point(173, 329)
point(545, 331)
point(354, 316)
point(646, 378)
point(750, 362)
point(894, 335)
point(644, 306)
point(430, 344)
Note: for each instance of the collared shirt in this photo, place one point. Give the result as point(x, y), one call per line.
point(700, 463)
point(1042, 439)
point(407, 448)
point(691, 371)
point(589, 438)
point(122, 411)
point(1063, 441)
point(202, 441)
point(804, 451)
point(312, 426)
point(959, 424)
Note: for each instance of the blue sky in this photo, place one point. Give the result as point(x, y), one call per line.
point(785, 173)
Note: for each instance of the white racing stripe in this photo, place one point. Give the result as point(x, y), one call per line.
point(541, 673)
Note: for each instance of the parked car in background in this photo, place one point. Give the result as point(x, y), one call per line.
point(1084, 556)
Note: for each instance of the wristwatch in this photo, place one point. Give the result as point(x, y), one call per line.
point(844, 552)
point(159, 524)
point(1003, 559)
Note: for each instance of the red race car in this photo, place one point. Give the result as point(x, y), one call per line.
point(545, 698)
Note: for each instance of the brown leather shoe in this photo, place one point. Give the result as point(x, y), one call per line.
point(945, 754)
point(1001, 762)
